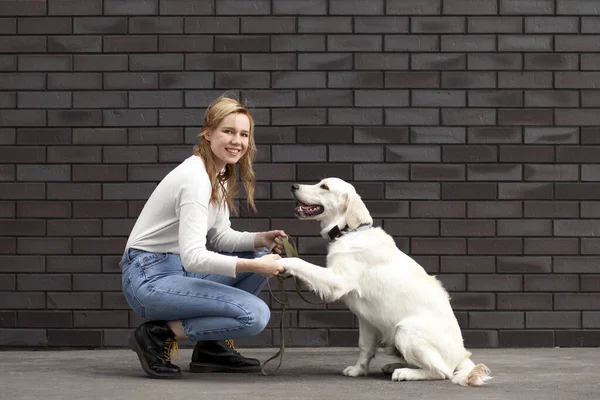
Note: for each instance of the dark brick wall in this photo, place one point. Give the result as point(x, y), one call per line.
point(468, 126)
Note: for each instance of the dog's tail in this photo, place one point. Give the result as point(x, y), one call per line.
point(469, 374)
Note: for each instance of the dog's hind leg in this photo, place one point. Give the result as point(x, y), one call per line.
point(411, 341)
point(367, 343)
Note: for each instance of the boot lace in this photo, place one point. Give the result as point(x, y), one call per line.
point(231, 345)
point(171, 350)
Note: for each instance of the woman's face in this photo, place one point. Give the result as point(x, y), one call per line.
point(229, 141)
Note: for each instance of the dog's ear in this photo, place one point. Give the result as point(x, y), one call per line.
point(355, 211)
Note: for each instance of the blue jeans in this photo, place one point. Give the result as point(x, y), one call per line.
point(210, 307)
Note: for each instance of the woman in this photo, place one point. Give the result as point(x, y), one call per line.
point(185, 270)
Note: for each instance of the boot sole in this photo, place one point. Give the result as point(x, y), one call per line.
point(135, 347)
point(208, 368)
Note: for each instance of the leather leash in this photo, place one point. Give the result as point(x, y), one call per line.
point(290, 249)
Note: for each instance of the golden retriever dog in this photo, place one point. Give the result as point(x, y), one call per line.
point(397, 303)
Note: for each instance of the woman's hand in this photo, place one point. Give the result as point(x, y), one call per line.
point(268, 265)
point(269, 238)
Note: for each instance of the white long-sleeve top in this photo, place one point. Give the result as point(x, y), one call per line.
point(179, 218)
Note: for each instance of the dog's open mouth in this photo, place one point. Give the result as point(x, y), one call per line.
point(308, 210)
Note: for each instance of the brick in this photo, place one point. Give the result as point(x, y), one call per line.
point(8, 26)
point(43, 282)
point(298, 80)
point(274, 25)
point(245, 43)
point(23, 337)
point(551, 172)
point(99, 209)
point(480, 338)
point(260, 62)
point(8, 62)
point(187, 80)
point(437, 209)
point(469, 43)
point(100, 319)
point(553, 283)
point(22, 300)
point(212, 62)
point(589, 24)
point(469, 80)
point(521, 301)
point(411, 43)
point(242, 80)
point(526, 154)
point(316, 172)
point(555, 246)
point(149, 25)
point(48, 173)
point(74, 44)
point(576, 80)
point(73, 191)
point(467, 264)
point(99, 136)
point(129, 117)
point(378, 172)
point(100, 25)
point(589, 172)
point(21, 191)
point(22, 118)
point(185, 43)
point(72, 264)
point(477, 7)
point(131, 81)
point(412, 190)
point(496, 320)
point(499, 172)
point(74, 154)
point(437, 173)
point(533, 80)
point(23, 8)
point(525, 116)
point(438, 246)
point(467, 228)
point(577, 338)
point(576, 301)
point(72, 300)
point(412, 227)
point(45, 319)
point(233, 7)
point(44, 26)
point(551, 209)
point(468, 191)
point(551, 61)
point(495, 283)
point(44, 100)
point(155, 136)
point(576, 191)
point(14, 154)
point(354, 43)
point(526, 7)
point(325, 319)
point(130, 7)
point(551, 135)
point(158, 62)
point(494, 24)
point(78, 337)
point(22, 44)
point(524, 228)
point(23, 81)
point(472, 301)
point(99, 99)
point(129, 44)
point(100, 62)
point(8, 100)
point(213, 25)
point(526, 338)
point(304, 43)
point(186, 7)
point(495, 246)
point(74, 118)
point(152, 173)
point(76, 81)
point(74, 228)
point(590, 319)
point(125, 191)
point(8, 319)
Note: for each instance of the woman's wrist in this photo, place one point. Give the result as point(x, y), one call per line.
point(259, 240)
point(245, 264)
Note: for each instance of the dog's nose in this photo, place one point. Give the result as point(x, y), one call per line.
point(295, 187)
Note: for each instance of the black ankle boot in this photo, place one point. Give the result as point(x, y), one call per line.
point(221, 356)
point(154, 342)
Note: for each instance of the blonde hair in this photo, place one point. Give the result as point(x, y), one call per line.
point(224, 184)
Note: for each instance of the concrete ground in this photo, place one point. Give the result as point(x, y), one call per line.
point(306, 373)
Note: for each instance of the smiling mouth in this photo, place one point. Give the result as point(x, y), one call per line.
point(233, 152)
point(308, 210)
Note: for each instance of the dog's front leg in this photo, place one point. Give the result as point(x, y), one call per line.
point(328, 285)
point(367, 343)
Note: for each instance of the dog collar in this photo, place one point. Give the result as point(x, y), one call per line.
point(336, 232)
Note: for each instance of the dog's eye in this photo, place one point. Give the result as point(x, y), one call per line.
point(324, 187)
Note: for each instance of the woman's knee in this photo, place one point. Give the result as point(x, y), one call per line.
point(259, 316)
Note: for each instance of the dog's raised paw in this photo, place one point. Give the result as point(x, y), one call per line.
point(353, 370)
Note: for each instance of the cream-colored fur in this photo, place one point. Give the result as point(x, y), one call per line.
point(397, 303)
